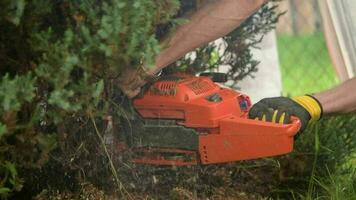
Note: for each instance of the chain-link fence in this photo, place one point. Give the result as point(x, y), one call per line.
point(305, 63)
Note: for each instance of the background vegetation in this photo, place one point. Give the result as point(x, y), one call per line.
point(59, 65)
point(59, 108)
point(58, 60)
point(329, 146)
point(305, 56)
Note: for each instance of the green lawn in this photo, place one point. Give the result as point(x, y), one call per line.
point(306, 68)
point(305, 64)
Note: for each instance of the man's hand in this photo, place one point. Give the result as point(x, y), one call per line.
point(131, 81)
point(280, 109)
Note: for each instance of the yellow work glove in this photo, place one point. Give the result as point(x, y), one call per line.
point(279, 110)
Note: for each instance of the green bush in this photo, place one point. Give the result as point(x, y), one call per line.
point(56, 57)
point(59, 61)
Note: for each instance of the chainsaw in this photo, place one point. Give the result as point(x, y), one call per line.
point(190, 120)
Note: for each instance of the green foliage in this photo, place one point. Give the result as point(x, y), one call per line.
point(325, 161)
point(336, 186)
point(59, 61)
point(14, 92)
point(58, 58)
point(10, 181)
point(336, 139)
point(12, 11)
point(2, 130)
point(297, 57)
point(320, 165)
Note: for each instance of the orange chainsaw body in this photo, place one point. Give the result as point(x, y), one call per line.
point(219, 117)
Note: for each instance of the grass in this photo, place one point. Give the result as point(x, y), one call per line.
point(306, 68)
point(305, 64)
point(321, 165)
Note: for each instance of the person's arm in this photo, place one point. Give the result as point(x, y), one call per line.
point(341, 99)
point(213, 20)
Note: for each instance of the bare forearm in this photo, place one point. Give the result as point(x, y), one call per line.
point(341, 99)
point(212, 21)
